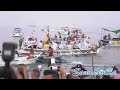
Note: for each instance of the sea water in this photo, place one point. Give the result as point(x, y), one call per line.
point(108, 56)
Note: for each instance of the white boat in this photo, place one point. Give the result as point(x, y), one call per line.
point(64, 30)
point(26, 52)
point(107, 40)
point(17, 32)
point(21, 60)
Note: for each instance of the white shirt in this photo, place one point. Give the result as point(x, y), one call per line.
point(40, 45)
point(69, 46)
point(79, 45)
point(54, 46)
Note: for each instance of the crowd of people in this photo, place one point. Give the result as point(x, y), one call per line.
point(21, 71)
point(74, 40)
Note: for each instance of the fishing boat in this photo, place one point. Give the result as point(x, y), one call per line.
point(17, 32)
point(108, 41)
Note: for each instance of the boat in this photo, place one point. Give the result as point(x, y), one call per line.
point(76, 52)
point(110, 41)
point(24, 60)
point(64, 30)
point(64, 52)
point(21, 60)
point(17, 32)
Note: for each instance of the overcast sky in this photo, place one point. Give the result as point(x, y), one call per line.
point(61, 18)
point(91, 21)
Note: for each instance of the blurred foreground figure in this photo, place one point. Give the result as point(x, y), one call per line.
point(21, 72)
point(51, 74)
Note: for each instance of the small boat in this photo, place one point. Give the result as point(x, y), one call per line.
point(64, 52)
point(110, 41)
point(113, 42)
point(21, 60)
point(17, 32)
point(64, 30)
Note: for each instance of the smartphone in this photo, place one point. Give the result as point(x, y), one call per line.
point(54, 68)
point(52, 60)
point(39, 66)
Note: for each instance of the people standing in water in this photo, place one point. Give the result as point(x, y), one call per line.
point(20, 43)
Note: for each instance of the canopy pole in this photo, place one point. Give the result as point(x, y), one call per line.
point(92, 63)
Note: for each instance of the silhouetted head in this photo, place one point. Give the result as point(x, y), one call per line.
point(51, 74)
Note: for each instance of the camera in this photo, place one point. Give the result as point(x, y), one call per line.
point(8, 53)
point(55, 68)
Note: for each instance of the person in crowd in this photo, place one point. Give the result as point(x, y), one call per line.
point(60, 46)
point(105, 37)
point(61, 73)
point(68, 33)
point(75, 45)
point(106, 77)
point(21, 72)
point(109, 37)
point(31, 53)
point(83, 36)
point(117, 76)
point(54, 46)
point(40, 46)
point(68, 46)
point(78, 45)
point(70, 76)
point(35, 73)
point(50, 51)
point(55, 36)
point(50, 74)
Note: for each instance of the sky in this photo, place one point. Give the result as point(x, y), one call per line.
point(90, 21)
point(61, 18)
